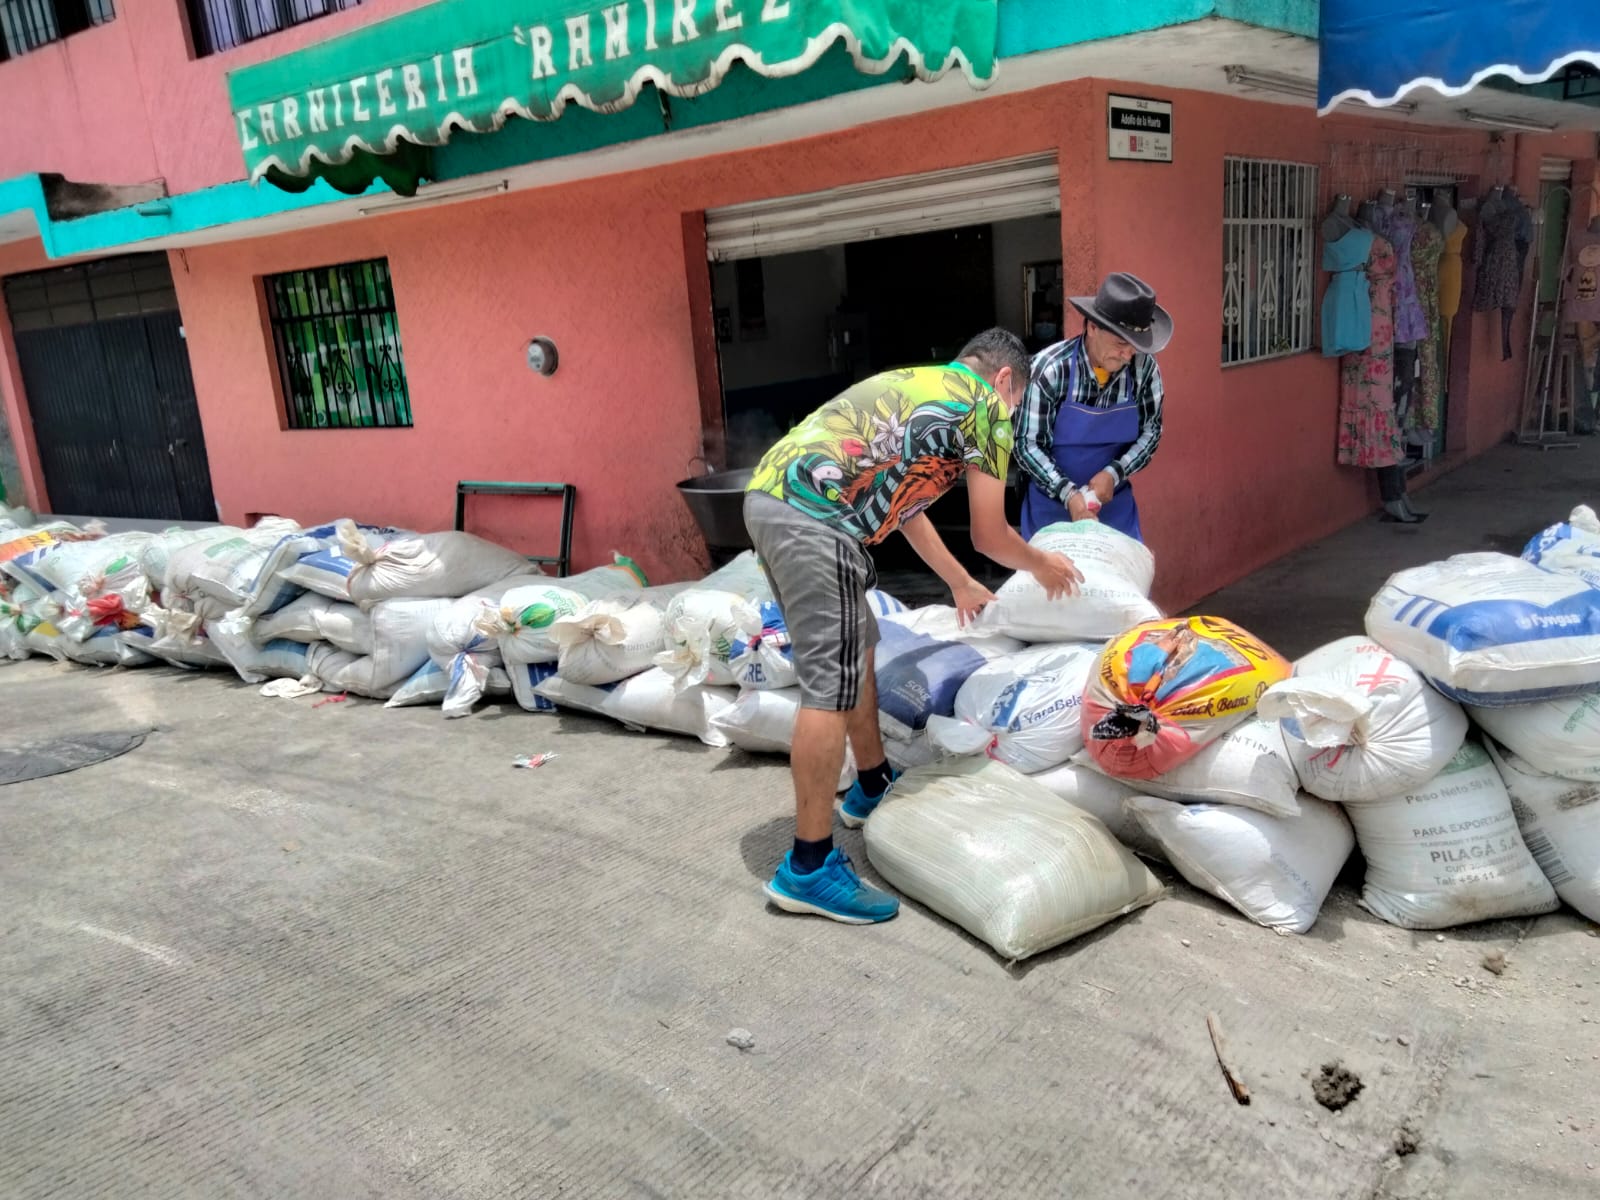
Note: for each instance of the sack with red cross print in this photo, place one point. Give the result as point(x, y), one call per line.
point(1361, 725)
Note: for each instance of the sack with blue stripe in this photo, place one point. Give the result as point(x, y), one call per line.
point(1489, 629)
point(1570, 547)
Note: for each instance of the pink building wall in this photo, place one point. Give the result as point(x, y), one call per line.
point(128, 101)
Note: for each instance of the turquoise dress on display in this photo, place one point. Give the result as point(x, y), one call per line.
point(1347, 304)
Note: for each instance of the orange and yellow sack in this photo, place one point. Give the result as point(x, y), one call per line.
point(1164, 689)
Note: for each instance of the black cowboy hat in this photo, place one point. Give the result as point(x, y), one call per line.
point(1126, 305)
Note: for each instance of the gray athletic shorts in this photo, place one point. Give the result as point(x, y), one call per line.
point(819, 578)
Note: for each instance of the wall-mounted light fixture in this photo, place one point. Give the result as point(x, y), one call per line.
point(542, 356)
point(1523, 124)
point(1293, 85)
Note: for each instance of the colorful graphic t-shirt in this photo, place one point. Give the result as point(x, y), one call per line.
point(884, 450)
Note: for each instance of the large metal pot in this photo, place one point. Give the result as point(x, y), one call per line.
point(716, 502)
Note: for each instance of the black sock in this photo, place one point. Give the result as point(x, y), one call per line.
point(875, 780)
point(809, 856)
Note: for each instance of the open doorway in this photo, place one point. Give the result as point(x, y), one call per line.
point(794, 330)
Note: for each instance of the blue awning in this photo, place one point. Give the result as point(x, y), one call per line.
point(1378, 50)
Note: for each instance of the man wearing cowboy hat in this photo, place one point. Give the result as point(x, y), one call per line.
point(1092, 417)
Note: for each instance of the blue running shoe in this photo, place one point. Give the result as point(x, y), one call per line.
point(858, 806)
point(833, 890)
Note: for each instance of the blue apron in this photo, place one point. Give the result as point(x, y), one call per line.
point(1085, 442)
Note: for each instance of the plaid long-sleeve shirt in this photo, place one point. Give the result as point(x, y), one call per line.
point(1065, 367)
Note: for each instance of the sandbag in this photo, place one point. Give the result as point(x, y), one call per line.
point(1117, 573)
point(399, 646)
point(883, 604)
point(1165, 689)
point(741, 576)
point(1021, 709)
point(257, 661)
point(608, 640)
point(215, 575)
point(430, 683)
point(271, 590)
point(105, 648)
point(315, 618)
point(463, 641)
point(919, 675)
point(761, 721)
point(366, 571)
point(1570, 547)
point(989, 849)
point(1560, 822)
point(1275, 870)
point(93, 584)
point(1489, 629)
point(179, 639)
point(906, 754)
point(1247, 767)
point(703, 629)
point(1360, 724)
point(648, 701)
point(527, 612)
point(764, 659)
point(1449, 853)
point(1102, 797)
point(525, 680)
point(1561, 736)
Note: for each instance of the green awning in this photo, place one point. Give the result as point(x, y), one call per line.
point(339, 109)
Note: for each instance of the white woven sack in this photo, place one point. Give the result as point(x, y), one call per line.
point(989, 849)
point(1115, 594)
point(648, 701)
point(316, 618)
point(1275, 870)
point(761, 721)
point(1360, 724)
point(1560, 822)
point(1490, 629)
point(703, 627)
point(608, 640)
point(1022, 709)
point(1562, 737)
point(1449, 852)
point(1100, 796)
point(1248, 767)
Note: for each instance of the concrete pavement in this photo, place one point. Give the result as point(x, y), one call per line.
point(293, 951)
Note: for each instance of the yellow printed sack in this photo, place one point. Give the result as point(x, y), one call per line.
point(1164, 689)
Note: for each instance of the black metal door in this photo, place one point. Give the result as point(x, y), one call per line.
point(109, 389)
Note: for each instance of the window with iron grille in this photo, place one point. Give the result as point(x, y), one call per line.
point(1268, 238)
point(28, 24)
point(338, 346)
point(223, 24)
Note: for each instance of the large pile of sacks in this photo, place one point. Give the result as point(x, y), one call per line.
point(1457, 742)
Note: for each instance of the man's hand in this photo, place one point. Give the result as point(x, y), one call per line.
point(1056, 574)
point(970, 597)
point(1102, 485)
point(1078, 509)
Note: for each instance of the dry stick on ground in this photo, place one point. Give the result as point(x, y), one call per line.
point(1235, 1083)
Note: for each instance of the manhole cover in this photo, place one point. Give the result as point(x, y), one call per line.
point(40, 760)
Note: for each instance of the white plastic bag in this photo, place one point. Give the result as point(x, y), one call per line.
point(608, 640)
point(1247, 767)
point(1004, 859)
point(766, 658)
point(366, 569)
point(1449, 853)
point(1022, 709)
point(761, 721)
point(1360, 724)
point(1561, 736)
point(1117, 573)
point(703, 629)
point(1275, 870)
point(1489, 629)
point(1560, 822)
point(648, 701)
